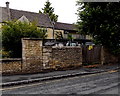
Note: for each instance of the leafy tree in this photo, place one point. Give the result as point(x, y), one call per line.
point(12, 32)
point(50, 11)
point(102, 22)
point(69, 37)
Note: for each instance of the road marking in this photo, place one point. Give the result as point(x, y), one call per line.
point(69, 78)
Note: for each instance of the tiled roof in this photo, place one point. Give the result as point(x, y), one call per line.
point(65, 26)
point(41, 19)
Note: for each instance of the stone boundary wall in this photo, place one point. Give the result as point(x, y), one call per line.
point(67, 57)
point(11, 66)
point(62, 57)
point(47, 57)
point(38, 58)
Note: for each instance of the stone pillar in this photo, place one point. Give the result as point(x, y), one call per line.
point(32, 55)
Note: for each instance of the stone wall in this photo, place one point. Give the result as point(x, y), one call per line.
point(11, 66)
point(32, 55)
point(47, 57)
point(61, 57)
point(39, 58)
point(66, 57)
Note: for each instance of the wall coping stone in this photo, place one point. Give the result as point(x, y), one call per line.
point(66, 47)
point(10, 59)
point(32, 39)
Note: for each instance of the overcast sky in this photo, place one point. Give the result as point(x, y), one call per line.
point(65, 9)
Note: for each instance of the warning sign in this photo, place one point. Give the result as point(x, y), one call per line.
point(90, 47)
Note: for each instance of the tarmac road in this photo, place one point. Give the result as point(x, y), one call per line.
point(112, 90)
point(100, 83)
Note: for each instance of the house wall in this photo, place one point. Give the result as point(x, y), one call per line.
point(89, 37)
point(0, 25)
point(0, 14)
point(0, 38)
point(49, 33)
point(78, 36)
point(74, 35)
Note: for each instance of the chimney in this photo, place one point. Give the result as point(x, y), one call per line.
point(8, 10)
point(7, 4)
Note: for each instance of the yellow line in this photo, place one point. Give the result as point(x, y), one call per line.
point(112, 71)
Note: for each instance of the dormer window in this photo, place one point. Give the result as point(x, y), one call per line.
point(23, 19)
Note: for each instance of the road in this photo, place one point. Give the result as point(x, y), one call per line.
point(100, 83)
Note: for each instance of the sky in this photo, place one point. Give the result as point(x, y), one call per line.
point(65, 9)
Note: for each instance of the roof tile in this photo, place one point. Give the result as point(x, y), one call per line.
point(65, 26)
point(41, 19)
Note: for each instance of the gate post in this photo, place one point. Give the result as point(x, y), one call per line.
point(32, 55)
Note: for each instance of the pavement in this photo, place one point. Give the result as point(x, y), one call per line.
point(32, 78)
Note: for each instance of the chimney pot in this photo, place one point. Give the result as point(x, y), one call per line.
point(7, 4)
point(8, 10)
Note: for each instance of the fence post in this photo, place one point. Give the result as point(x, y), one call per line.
point(102, 55)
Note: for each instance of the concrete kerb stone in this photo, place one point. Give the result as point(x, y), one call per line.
point(47, 78)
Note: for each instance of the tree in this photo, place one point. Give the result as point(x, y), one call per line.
point(12, 32)
point(101, 21)
point(69, 37)
point(50, 11)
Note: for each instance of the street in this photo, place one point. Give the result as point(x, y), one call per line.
point(99, 83)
